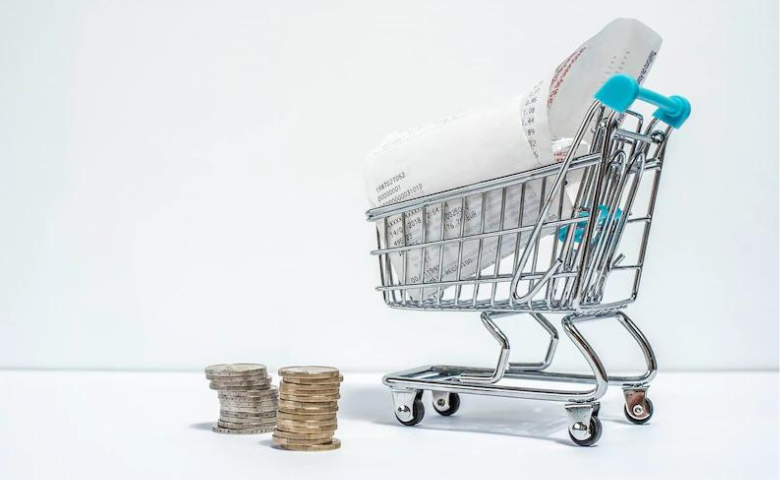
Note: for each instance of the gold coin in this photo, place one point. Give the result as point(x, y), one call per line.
point(309, 398)
point(306, 418)
point(299, 427)
point(323, 432)
point(313, 404)
point(308, 411)
point(333, 381)
point(332, 445)
point(309, 393)
point(326, 434)
point(293, 441)
point(311, 372)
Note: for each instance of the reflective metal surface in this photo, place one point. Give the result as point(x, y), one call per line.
point(565, 259)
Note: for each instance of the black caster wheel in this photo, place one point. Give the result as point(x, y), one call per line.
point(640, 421)
point(418, 412)
point(593, 435)
point(454, 404)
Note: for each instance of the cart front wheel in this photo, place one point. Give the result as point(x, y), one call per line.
point(446, 405)
point(639, 411)
point(586, 439)
point(417, 411)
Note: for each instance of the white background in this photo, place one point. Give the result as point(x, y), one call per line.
point(181, 181)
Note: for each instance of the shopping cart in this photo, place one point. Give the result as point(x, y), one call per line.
point(540, 242)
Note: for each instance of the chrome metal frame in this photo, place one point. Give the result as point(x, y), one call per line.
point(585, 251)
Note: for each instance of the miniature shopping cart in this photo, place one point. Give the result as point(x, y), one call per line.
point(568, 238)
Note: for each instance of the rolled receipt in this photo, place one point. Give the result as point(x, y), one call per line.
point(475, 146)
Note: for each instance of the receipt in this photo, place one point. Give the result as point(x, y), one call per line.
point(478, 145)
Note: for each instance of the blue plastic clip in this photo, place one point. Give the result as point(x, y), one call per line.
point(620, 91)
point(580, 230)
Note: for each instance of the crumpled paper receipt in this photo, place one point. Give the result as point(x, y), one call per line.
point(521, 134)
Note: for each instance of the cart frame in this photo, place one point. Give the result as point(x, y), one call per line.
point(585, 251)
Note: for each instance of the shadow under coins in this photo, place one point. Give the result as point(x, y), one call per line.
point(478, 414)
point(202, 426)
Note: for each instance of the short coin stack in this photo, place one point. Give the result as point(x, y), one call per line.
point(308, 402)
point(247, 401)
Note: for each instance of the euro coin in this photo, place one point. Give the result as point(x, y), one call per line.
point(326, 434)
point(309, 372)
point(241, 387)
point(241, 381)
point(291, 441)
point(239, 425)
point(290, 390)
point(249, 410)
point(241, 431)
point(332, 381)
point(321, 447)
point(232, 369)
point(306, 418)
point(309, 398)
point(293, 426)
point(308, 411)
point(295, 404)
point(244, 415)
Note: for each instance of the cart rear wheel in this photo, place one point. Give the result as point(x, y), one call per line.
point(451, 405)
point(418, 412)
point(594, 433)
point(640, 421)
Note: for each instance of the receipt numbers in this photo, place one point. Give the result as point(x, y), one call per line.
point(527, 116)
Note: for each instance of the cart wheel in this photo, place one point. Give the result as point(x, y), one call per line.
point(640, 421)
point(594, 433)
point(418, 412)
point(453, 404)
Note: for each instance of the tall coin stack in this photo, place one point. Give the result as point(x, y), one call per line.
point(247, 400)
point(308, 402)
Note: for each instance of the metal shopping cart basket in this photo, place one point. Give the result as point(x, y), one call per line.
point(553, 240)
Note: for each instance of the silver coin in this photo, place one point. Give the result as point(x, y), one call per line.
point(231, 381)
point(236, 424)
point(269, 403)
point(255, 387)
point(263, 409)
point(249, 374)
point(224, 414)
point(245, 402)
point(254, 398)
point(248, 406)
point(249, 393)
point(231, 369)
point(247, 421)
point(249, 401)
point(241, 431)
point(258, 413)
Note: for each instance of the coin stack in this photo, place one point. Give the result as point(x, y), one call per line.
point(247, 400)
point(308, 402)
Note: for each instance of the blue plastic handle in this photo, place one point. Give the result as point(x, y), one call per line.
point(580, 226)
point(620, 91)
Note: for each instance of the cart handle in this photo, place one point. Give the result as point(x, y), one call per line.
point(620, 91)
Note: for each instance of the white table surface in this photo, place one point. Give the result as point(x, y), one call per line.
point(112, 425)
